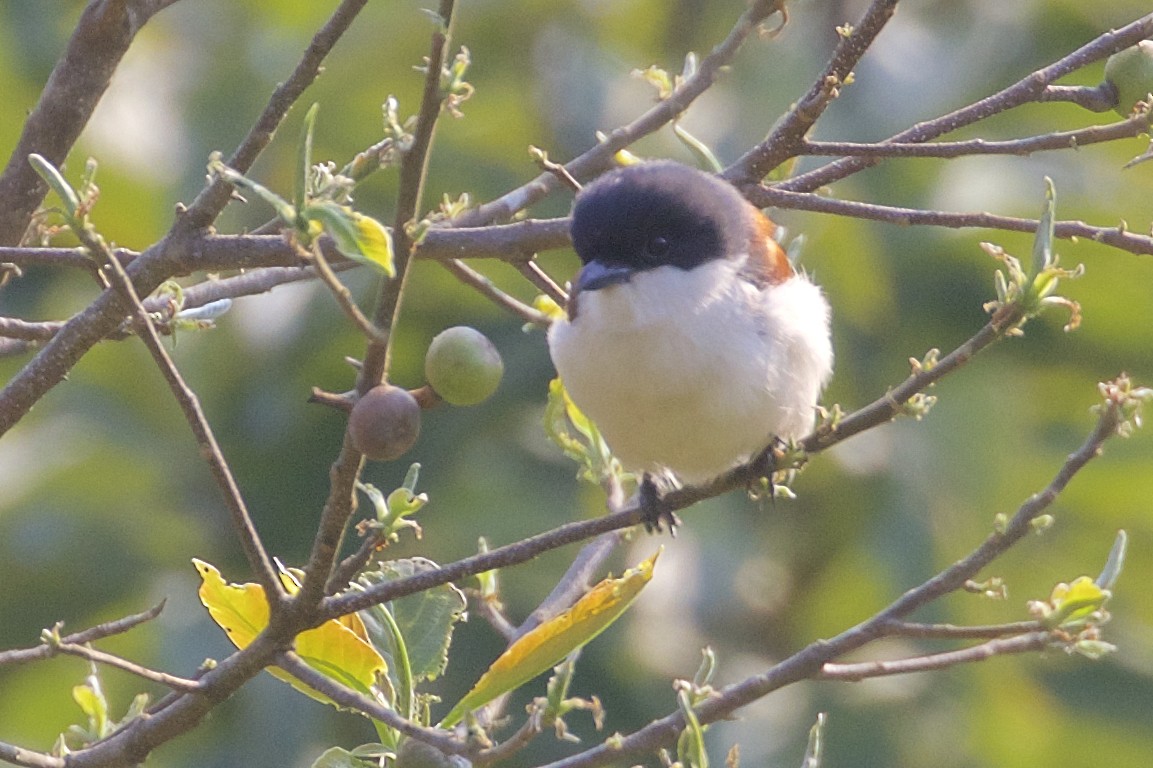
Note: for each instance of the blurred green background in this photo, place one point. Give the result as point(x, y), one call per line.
point(105, 500)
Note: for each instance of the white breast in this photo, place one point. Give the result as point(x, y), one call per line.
point(695, 371)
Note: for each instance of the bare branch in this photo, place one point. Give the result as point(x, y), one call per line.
point(809, 661)
point(254, 550)
point(951, 632)
point(346, 697)
point(344, 297)
point(210, 202)
point(1117, 237)
point(486, 288)
point(1034, 641)
point(341, 502)
point(1099, 98)
point(1134, 126)
point(102, 36)
point(789, 132)
point(98, 632)
point(598, 158)
point(10, 753)
point(1027, 89)
point(15, 328)
point(110, 660)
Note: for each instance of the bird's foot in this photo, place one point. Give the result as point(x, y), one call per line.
point(655, 513)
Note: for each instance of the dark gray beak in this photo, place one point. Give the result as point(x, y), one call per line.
point(596, 275)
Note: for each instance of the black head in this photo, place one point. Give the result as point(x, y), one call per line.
point(655, 214)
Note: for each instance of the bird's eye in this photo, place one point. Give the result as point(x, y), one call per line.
point(657, 246)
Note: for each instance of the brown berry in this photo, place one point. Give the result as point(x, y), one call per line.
point(384, 423)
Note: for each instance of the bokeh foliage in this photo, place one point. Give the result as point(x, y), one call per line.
point(105, 500)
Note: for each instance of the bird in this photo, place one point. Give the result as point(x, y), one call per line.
point(689, 338)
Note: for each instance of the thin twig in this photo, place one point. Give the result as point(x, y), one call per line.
point(10, 753)
point(1033, 641)
point(786, 137)
point(212, 200)
point(344, 297)
point(1083, 137)
point(350, 566)
point(1028, 89)
point(538, 277)
point(98, 632)
point(341, 501)
point(808, 662)
point(664, 112)
point(486, 288)
point(350, 699)
point(254, 550)
point(1117, 237)
point(100, 657)
point(497, 754)
point(1097, 98)
point(952, 632)
point(15, 328)
point(490, 610)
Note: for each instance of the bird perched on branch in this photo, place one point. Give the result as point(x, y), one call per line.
point(690, 340)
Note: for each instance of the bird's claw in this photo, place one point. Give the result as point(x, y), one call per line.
point(655, 514)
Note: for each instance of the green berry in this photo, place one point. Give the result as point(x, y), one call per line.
point(462, 366)
point(1131, 73)
point(384, 423)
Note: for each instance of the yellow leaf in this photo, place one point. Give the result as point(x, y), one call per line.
point(338, 648)
point(359, 237)
point(544, 646)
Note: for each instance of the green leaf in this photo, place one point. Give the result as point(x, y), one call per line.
point(58, 183)
point(341, 758)
point(358, 237)
point(91, 700)
point(705, 157)
point(541, 648)
point(816, 748)
point(589, 450)
point(284, 209)
point(425, 619)
point(1043, 242)
point(1114, 563)
point(304, 158)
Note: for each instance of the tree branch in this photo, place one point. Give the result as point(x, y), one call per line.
point(341, 502)
point(258, 559)
point(103, 34)
point(599, 157)
point(1033, 641)
point(809, 661)
point(1030, 88)
point(350, 699)
point(783, 142)
point(1096, 134)
point(100, 657)
point(98, 632)
point(1117, 237)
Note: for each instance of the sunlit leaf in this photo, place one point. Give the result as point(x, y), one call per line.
point(544, 646)
point(359, 237)
point(337, 648)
